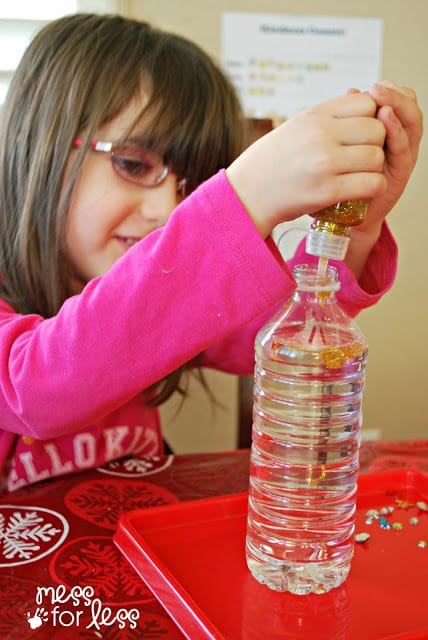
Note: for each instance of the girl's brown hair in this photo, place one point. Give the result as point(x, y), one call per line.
point(78, 73)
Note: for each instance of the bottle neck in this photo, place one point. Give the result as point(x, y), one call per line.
point(310, 282)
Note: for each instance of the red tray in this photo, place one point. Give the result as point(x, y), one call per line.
point(192, 557)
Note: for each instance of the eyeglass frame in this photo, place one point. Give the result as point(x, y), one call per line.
point(111, 148)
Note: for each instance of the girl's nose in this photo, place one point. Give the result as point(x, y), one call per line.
point(156, 204)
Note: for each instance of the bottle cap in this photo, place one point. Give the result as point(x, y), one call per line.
point(326, 245)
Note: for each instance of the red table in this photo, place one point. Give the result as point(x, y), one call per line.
point(61, 574)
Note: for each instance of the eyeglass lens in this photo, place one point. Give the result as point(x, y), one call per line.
point(138, 165)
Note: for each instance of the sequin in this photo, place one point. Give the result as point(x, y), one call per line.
point(422, 544)
point(384, 524)
point(422, 506)
point(413, 521)
point(397, 526)
point(372, 513)
point(362, 537)
point(386, 510)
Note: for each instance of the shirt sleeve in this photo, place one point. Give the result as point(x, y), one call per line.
point(182, 288)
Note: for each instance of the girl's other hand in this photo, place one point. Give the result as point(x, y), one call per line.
point(399, 113)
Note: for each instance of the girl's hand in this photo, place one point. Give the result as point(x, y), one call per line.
point(325, 154)
point(400, 115)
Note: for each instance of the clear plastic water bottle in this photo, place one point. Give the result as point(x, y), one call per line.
point(308, 384)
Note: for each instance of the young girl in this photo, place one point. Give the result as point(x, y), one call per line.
point(134, 234)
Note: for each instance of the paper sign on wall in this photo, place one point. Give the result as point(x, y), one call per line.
point(282, 64)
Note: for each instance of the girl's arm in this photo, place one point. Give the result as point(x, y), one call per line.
point(182, 288)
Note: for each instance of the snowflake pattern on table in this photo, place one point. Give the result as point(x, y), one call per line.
point(97, 562)
point(136, 467)
point(102, 502)
point(16, 598)
point(28, 533)
point(213, 475)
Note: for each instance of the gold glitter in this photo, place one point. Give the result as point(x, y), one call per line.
point(403, 504)
point(331, 357)
point(276, 346)
point(322, 296)
point(336, 357)
point(312, 480)
point(349, 213)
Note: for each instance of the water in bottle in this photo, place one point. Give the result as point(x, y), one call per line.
point(308, 384)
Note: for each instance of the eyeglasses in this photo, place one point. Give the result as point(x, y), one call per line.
point(131, 162)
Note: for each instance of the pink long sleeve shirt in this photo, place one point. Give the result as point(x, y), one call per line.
point(70, 386)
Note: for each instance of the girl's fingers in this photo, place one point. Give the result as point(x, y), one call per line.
point(361, 159)
point(404, 104)
point(405, 91)
point(348, 105)
point(356, 186)
point(397, 141)
point(361, 130)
